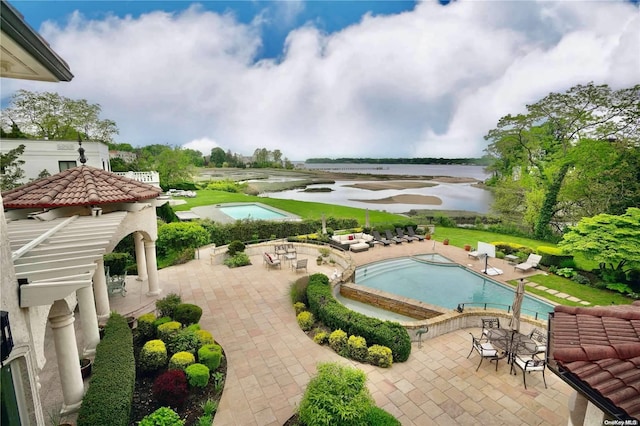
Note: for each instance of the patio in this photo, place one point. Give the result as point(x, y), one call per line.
point(270, 360)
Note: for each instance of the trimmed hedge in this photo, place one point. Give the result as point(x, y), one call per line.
point(109, 398)
point(553, 256)
point(336, 316)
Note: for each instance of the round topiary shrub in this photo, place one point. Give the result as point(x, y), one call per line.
point(167, 305)
point(211, 356)
point(380, 356)
point(338, 341)
point(167, 329)
point(146, 328)
point(162, 320)
point(197, 375)
point(181, 361)
point(299, 307)
point(163, 416)
point(193, 327)
point(187, 313)
point(321, 337)
point(235, 247)
point(170, 388)
point(357, 347)
point(153, 356)
point(205, 337)
point(305, 320)
point(182, 341)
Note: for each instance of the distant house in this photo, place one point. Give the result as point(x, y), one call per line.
point(126, 156)
point(56, 156)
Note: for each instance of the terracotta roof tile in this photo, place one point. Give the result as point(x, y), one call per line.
point(78, 186)
point(600, 347)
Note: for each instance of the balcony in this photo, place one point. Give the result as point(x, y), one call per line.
point(152, 178)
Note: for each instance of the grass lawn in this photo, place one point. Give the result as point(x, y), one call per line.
point(590, 294)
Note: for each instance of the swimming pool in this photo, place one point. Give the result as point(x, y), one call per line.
point(251, 211)
point(442, 284)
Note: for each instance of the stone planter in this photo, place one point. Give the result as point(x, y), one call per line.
point(85, 367)
point(131, 322)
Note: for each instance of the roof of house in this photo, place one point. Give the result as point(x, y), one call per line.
point(597, 350)
point(78, 186)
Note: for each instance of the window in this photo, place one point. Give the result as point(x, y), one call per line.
point(64, 165)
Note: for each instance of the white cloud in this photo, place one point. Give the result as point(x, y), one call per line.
point(204, 145)
point(429, 82)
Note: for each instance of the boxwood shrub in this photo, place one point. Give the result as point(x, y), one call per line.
point(204, 337)
point(336, 316)
point(357, 347)
point(182, 341)
point(163, 416)
point(146, 327)
point(181, 361)
point(168, 328)
point(380, 356)
point(553, 256)
point(109, 397)
point(211, 356)
point(153, 356)
point(305, 320)
point(197, 375)
point(187, 313)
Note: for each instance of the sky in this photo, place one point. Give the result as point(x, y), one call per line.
point(329, 78)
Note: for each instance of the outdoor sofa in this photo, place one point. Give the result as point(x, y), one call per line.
point(357, 241)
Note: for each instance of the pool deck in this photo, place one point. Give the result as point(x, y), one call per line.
point(270, 360)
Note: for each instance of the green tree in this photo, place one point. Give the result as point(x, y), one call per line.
point(48, 115)
point(608, 239)
point(218, 157)
point(119, 165)
point(11, 172)
point(195, 157)
point(177, 236)
point(172, 163)
point(536, 149)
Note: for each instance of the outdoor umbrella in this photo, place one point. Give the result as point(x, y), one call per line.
point(517, 306)
point(324, 224)
point(366, 218)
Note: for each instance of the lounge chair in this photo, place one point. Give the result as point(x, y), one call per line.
point(392, 237)
point(380, 239)
point(413, 234)
point(531, 262)
point(407, 238)
point(272, 260)
point(475, 254)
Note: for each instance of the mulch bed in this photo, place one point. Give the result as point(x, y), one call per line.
point(144, 403)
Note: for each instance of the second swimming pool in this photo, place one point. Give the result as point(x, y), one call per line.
point(443, 284)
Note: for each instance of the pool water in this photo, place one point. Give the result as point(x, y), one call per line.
point(251, 211)
point(441, 284)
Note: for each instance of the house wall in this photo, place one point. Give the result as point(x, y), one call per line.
point(42, 155)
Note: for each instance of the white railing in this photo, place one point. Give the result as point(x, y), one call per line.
point(152, 178)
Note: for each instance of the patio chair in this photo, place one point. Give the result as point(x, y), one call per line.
point(380, 239)
point(540, 338)
point(300, 264)
point(280, 250)
point(407, 238)
point(529, 364)
point(531, 262)
point(413, 234)
point(485, 350)
point(116, 283)
point(392, 237)
point(475, 254)
point(488, 324)
point(271, 261)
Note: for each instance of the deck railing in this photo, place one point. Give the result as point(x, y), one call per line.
point(151, 177)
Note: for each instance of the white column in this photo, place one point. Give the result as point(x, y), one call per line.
point(64, 339)
point(593, 415)
point(141, 260)
point(89, 321)
point(103, 309)
point(152, 268)
point(577, 409)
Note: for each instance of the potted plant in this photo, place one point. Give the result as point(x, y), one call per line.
point(445, 241)
point(85, 367)
point(130, 321)
point(427, 236)
point(467, 247)
point(319, 260)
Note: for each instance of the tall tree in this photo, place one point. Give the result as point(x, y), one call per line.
point(48, 115)
point(536, 149)
point(218, 156)
point(11, 172)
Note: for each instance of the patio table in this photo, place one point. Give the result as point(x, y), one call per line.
point(511, 342)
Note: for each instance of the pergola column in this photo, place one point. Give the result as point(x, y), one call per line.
point(141, 259)
point(89, 320)
point(101, 295)
point(152, 268)
point(64, 339)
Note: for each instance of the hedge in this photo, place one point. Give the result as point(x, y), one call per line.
point(110, 394)
point(552, 256)
point(336, 316)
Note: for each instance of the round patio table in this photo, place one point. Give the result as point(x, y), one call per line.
point(511, 342)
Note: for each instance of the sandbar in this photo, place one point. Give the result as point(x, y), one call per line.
point(406, 199)
point(397, 185)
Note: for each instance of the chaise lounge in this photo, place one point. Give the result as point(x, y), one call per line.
point(392, 237)
point(407, 238)
point(531, 262)
point(379, 239)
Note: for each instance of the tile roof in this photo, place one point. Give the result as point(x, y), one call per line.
point(78, 186)
point(599, 350)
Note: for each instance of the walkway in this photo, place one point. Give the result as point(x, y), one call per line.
point(270, 360)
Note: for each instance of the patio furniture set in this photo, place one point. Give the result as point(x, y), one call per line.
point(284, 253)
point(526, 352)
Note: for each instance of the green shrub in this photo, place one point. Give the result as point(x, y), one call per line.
point(187, 313)
point(109, 397)
point(177, 236)
point(336, 316)
point(153, 356)
point(338, 341)
point(553, 256)
point(619, 287)
point(204, 338)
point(235, 247)
point(167, 305)
point(357, 348)
point(193, 327)
point(182, 341)
point(305, 320)
point(298, 291)
point(211, 356)
point(380, 356)
point(163, 320)
point(167, 329)
point(299, 307)
point(581, 279)
point(321, 337)
point(500, 255)
point(181, 360)
point(568, 263)
point(146, 327)
point(379, 417)
point(117, 263)
point(163, 416)
point(565, 272)
point(197, 375)
point(237, 260)
point(336, 396)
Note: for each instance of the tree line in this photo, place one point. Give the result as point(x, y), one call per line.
point(484, 161)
